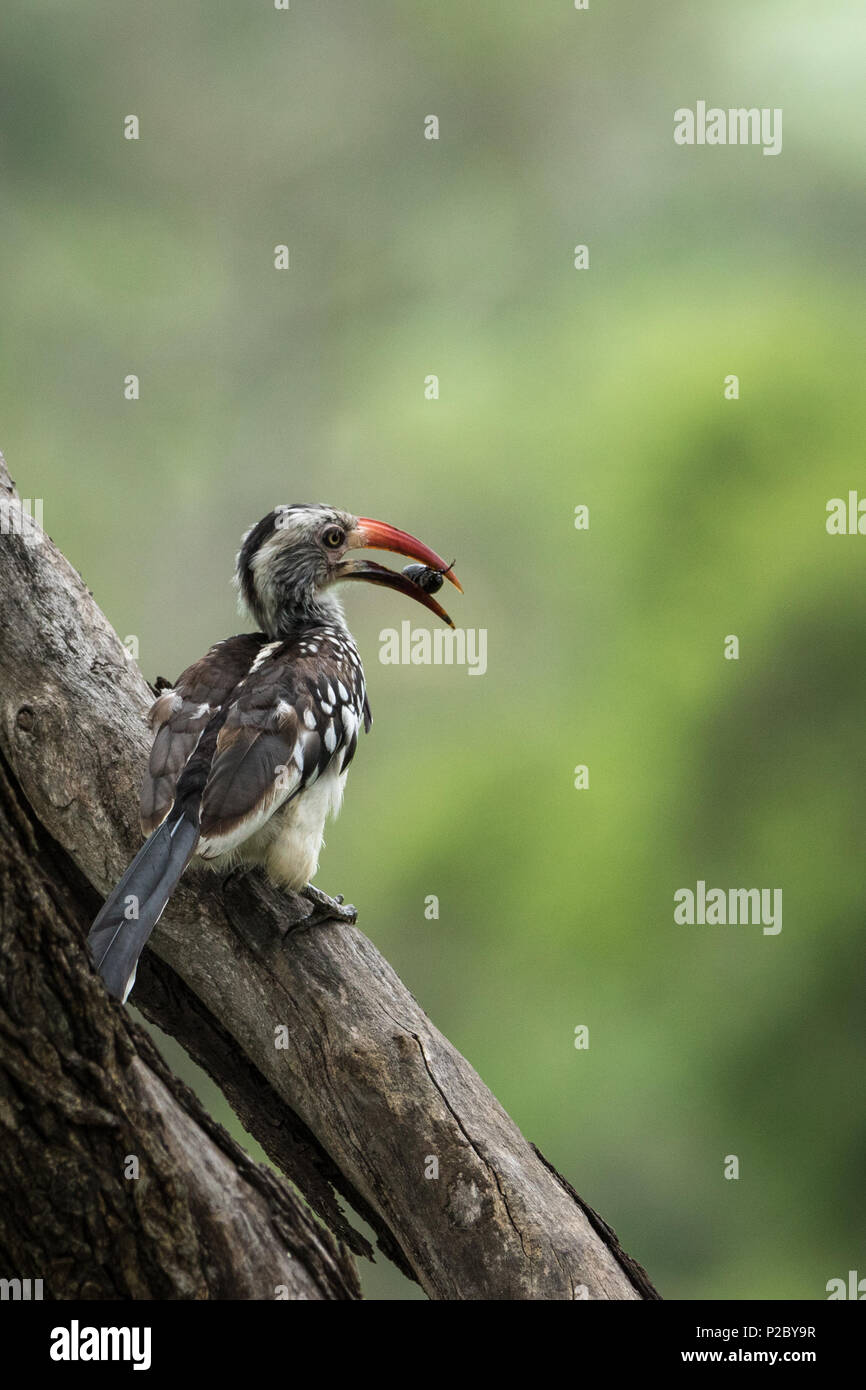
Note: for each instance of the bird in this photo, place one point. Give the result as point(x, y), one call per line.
point(253, 742)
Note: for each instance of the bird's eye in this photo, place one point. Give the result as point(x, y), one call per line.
point(333, 538)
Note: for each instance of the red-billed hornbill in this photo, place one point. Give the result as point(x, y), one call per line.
point(253, 742)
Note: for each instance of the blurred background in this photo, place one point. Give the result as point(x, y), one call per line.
point(558, 387)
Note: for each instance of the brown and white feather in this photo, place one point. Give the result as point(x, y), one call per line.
point(282, 720)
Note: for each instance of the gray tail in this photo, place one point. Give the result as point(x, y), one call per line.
point(117, 937)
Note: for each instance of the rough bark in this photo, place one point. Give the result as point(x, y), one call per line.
point(366, 1091)
point(84, 1094)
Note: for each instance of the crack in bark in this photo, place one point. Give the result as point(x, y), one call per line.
point(470, 1141)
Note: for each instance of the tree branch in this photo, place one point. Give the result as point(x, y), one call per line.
point(366, 1092)
point(114, 1182)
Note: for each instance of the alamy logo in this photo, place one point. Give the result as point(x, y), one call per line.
point(22, 516)
point(20, 1289)
point(846, 518)
point(76, 1343)
point(738, 125)
point(445, 647)
point(736, 907)
point(854, 1288)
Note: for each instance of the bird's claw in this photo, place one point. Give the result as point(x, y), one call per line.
point(326, 909)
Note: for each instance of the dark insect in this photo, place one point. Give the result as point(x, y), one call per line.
point(429, 580)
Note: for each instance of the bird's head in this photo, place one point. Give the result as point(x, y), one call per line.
point(290, 561)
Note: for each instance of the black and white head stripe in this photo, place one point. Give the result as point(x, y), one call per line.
point(281, 567)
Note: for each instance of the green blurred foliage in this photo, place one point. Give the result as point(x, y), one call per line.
point(601, 387)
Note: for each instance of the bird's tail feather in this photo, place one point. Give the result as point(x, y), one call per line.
point(131, 912)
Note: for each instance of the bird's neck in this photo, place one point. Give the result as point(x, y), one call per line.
point(320, 610)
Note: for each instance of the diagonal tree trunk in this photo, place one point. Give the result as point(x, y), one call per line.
point(364, 1096)
point(114, 1183)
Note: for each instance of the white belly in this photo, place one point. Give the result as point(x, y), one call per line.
point(289, 844)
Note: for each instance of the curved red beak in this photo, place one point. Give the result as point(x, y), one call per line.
point(378, 535)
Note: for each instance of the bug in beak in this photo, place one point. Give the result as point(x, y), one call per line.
point(378, 535)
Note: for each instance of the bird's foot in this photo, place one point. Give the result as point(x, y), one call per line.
point(326, 909)
point(237, 875)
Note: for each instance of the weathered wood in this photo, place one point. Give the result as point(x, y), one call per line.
point(114, 1182)
point(367, 1083)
